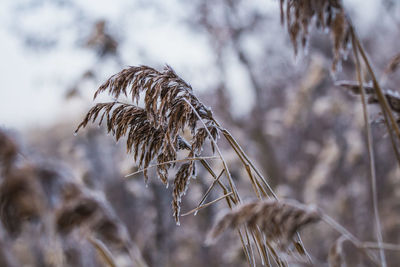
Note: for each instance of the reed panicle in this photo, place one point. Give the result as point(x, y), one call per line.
point(21, 199)
point(155, 132)
point(278, 220)
point(327, 14)
point(41, 211)
point(72, 214)
point(164, 117)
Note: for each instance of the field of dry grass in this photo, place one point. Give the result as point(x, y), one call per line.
point(161, 175)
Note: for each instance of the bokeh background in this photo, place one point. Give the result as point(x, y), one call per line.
point(302, 131)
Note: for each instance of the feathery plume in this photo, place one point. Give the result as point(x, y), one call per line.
point(327, 14)
point(154, 132)
point(278, 220)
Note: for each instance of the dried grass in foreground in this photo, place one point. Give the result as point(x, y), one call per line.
point(170, 107)
point(326, 14)
point(278, 220)
point(49, 219)
point(172, 120)
point(331, 16)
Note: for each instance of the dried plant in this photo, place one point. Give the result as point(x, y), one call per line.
point(155, 132)
point(331, 16)
point(21, 200)
point(163, 119)
point(336, 257)
point(392, 97)
point(393, 65)
point(40, 209)
point(278, 220)
point(326, 14)
point(72, 215)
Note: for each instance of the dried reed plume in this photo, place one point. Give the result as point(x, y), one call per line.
point(329, 15)
point(278, 220)
point(72, 215)
point(155, 132)
point(40, 209)
point(21, 200)
point(88, 212)
point(168, 123)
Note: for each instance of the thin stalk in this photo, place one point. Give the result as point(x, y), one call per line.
point(381, 97)
point(223, 187)
point(103, 251)
point(168, 162)
point(207, 204)
point(247, 246)
point(339, 228)
point(259, 246)
point(234, 143)
point(256, 185)
point(246, 161)
point(135, 254)
point(210, 188)
point(385, 246)
point(370, 153)
point(396, 151)
point(229, 201)
point(227, 173)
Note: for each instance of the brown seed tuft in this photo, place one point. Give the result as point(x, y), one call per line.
point(154, 132)
point(393, 64)
point(21, 199)
point(71, 215)
point(327, 14)
point(278, 220)
point(181, 182)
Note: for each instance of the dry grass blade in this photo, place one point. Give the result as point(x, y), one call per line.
point(155, 132)
point(393, 65)
point(73, 214)
point(393, 97)
point(168, 162)
point(195, 210)
point(370, 153)
point(335, 256)
point(43, 212)
point(278, 220)
point(103, 251)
